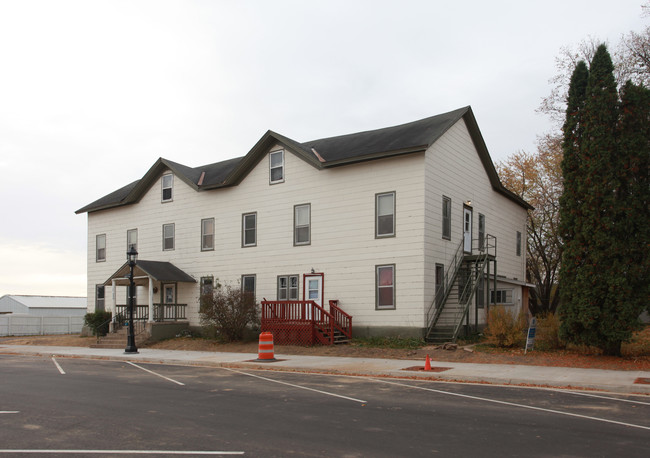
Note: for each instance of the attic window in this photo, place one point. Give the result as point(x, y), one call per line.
point(167, 184)
point(276, 167)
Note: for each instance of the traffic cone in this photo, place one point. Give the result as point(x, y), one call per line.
point(427, 364)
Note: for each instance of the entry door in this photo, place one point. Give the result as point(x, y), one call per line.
point(313, 291)
point(467, 229)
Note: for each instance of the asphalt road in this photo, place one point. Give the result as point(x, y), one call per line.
point(76, 407)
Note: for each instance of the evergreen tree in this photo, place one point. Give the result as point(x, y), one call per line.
point(605, 215)
point(571, 201)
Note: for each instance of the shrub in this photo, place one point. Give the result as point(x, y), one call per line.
point(504, 329)
point(98, 322)
point(227, 312)
point(547, 336)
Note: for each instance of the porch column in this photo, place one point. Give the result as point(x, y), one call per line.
point(113, 299)
point(150, 300)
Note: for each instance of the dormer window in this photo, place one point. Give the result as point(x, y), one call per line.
point(276, 167)
point(167, 185)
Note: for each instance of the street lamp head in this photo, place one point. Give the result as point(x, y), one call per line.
point(132, 256)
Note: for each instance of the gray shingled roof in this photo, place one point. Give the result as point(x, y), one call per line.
point(322, 153)
point(158, 270)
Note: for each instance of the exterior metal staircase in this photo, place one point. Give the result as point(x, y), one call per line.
point(453, 298)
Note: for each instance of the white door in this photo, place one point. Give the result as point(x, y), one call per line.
point(314, 291)
point(467, 230)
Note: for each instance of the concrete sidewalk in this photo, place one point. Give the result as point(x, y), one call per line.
point(564, 377)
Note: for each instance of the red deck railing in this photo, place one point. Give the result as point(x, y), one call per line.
point(304, 322)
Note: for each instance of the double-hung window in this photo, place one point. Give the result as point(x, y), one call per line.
point(481, 231)
point(167, 185)
point(132, 239)
point(100, 252)
point(385, 214)
point(168, 237)
point(276, 167)
point(99, 297)
point(207, 234)
point(248, 284)
point(302, 224)
point(207, 286)
point(288, 288)
point(446, 218)
point(385, 279)
point(518, 243)
point(249, 229)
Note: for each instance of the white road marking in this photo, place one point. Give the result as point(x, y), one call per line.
point(523, 406)
point(9, 411)
point(154, 373)
point(578, 393)
point(58, 366)
point(296, 386)
point(128, 452)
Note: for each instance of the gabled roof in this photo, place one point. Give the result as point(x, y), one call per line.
point(158, 270)
point(407, 138)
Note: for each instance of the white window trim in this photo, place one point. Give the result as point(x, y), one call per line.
point(295, 225)
point(377, 215)
point(244, 229)
point(170, 187)
point(204, 234)
point(97, 257)
point(173, 237)
point(288, 289)
point(271, 168)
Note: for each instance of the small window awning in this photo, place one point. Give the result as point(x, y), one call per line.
point(161, 271)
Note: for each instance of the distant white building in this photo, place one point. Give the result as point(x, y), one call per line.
point(43, 305)
point(37, 315)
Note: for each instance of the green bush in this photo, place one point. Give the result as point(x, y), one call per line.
point(98, 322)
point(547, 335)
point(504, 328)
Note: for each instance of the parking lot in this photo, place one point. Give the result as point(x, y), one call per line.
point(65, 406)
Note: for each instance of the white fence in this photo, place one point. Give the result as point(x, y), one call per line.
point(23, 325)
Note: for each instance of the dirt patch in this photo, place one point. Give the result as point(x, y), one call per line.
point(563, 358)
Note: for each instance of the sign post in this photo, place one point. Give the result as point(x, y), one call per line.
point(530, 338)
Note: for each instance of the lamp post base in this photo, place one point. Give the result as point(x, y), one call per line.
point(130, 346)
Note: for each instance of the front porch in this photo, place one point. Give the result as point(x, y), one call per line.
point(305, 323)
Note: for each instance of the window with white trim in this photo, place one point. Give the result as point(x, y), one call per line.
point(288, 288)
point(249, 229)
point(207, 286)
point(502, 296)
point(302, 224)
point(446, 218)
point(168, 237)
point(207, 234)
point(385, 279)
point(385, 215)
point(132, 239)
point(99, 298)
point(276, 167)
point(248, 284)
point(167, 184)
point(100, 248)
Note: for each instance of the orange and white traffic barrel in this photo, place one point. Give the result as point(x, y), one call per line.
point(266, 352)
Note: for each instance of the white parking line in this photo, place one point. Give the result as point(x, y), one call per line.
point(578, 393)
point(154, 373)
point(523, 406)
point(128, 452)
point(9, 411)
point(57, 366)
point(296, 386)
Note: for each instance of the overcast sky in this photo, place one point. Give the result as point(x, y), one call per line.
point(93, 92)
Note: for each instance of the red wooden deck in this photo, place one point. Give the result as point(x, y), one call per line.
point(304, 322)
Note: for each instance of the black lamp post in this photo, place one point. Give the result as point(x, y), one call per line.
point(132, 256)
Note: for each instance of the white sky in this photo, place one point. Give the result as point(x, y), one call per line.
point(93, 92)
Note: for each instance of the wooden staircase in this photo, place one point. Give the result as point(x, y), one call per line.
point(119, 338)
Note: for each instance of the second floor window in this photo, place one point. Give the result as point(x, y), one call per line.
point(276, 167)
point(168, 237)
point(167, 185)
point(302, 224)
point(385, 215)
point(100, 254)
point(446, 218)
point(207, 234)
point(518, 243)
point(249, 229)
point(132, 239)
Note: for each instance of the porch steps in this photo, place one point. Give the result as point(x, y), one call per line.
point(119, 339)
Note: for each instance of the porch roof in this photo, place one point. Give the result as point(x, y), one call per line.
point(158, 270)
